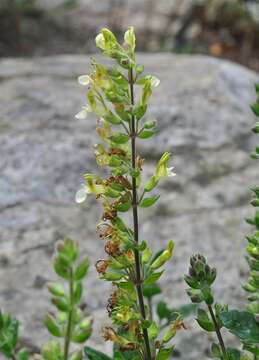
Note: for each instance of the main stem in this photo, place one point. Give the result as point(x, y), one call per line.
point(138, 283)
point(70, 318)
point(217, 329)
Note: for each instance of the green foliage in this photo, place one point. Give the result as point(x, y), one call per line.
point(242, 324)
point(8, 335)
point(93, 354)
point(69, 322)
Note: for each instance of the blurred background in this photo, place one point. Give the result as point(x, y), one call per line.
point(204, 119)
point(223, 28)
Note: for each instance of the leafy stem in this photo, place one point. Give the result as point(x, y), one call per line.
point(138, 282)
point(217, 330)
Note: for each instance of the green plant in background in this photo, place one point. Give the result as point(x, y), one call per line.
point(243, 324)
point(69, 323)
point(130, 265)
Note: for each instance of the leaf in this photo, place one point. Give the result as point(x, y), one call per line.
point(146, 134)
point(56, 289)
point(215, 351)
point(152, 278)
point(78, 291)
point(233, 354)
point(151, 290)
point(52, 326)
point(23, 354)
point(113, 119)
point(81, 269)
point(242, 324)
point(164, 353)
point(147, 202)
point(255, 108)
point(204, 321)
point(120, 138)
point(139, 111)
point(81, 336)
point(123, 207)
point(163, 311)
point(61, 304)
point(153, 330)
point(93, 354)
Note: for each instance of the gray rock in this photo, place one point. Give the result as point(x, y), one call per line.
point(202, 108)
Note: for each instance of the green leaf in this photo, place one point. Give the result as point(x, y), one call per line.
point(61, 304)
point(163, 311)
point(215, 351)
point(147, 202)
point(124, 207)
point(80, 337)
point(204, 321)
point(113, 119)
point(151, 184)
point(151, 290)
point(233, 354)
point(112, 276)
point(81, 269)
point(152, 278)
point(78, 291)
point(146, 134)
point(139, 111)
point(56, 289)
point(23, 354)
point(150, 124)
point(52, 326)
point(242, 324)
point(61, 269)
point(153, 330)
point(165, 353)
point(51, 351)
point(93, 354)
point(119, 138)
point(255, 108)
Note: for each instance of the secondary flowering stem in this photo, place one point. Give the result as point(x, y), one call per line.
point(135, 220)
point(217, 329)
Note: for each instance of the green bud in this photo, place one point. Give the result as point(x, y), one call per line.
point(129, 38)
point(255, 202)
point(151, 184)
point(81, 336)
point(81, 270)
point(56, 289)
point(52, 326)
point(207, 295)
point(164, 257)
point(61, 304)
point(51, 350)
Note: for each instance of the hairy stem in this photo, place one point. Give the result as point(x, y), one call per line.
point(70, 318)
point(138, 283)
point(217, 329)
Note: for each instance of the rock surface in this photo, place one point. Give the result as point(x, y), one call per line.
point(202, 107)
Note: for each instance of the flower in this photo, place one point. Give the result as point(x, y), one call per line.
point(162, 169)
point(154, 81)
point(84, 80)
point(170, 172)
point(81, 194)
point(83, 113)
